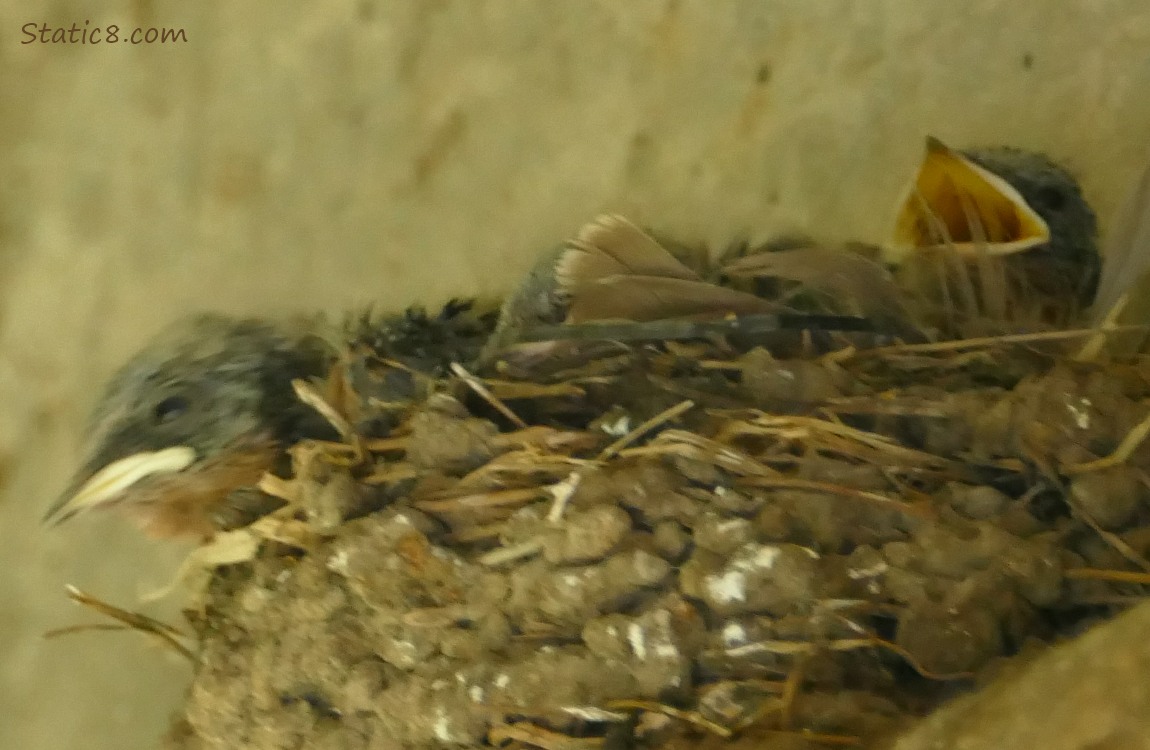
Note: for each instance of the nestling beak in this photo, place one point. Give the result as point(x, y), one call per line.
point(110, 483)
point(954, 202)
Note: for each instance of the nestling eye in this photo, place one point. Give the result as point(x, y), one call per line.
point(1052, 198)
point(170, 408)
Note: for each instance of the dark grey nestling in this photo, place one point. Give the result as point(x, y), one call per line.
point(996, 236)
point(202, 410)
point(208, 406)
point(1070, 260)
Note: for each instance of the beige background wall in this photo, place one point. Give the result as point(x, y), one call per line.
point(330, 153)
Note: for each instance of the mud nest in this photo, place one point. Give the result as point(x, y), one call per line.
point(672, 544)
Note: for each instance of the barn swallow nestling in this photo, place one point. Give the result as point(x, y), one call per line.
point(203, 410)
point(1007, 205)
point(612, 270)
point(616, 282)
point(208, 407)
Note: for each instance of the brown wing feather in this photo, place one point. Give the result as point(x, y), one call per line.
point(629, 297)
point(613, 246)
point(847, 276)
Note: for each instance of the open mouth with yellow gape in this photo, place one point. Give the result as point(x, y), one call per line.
point(954, 202)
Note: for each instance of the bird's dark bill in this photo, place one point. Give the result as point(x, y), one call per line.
point(953, 202)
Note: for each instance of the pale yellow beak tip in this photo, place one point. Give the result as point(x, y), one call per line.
point(110, 482)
